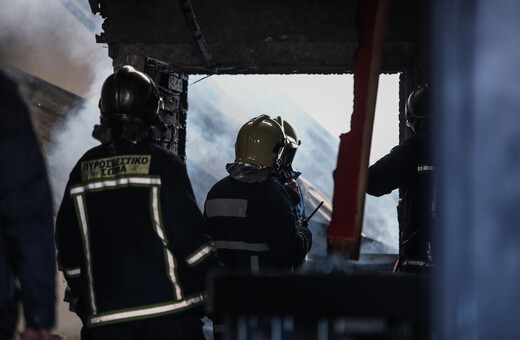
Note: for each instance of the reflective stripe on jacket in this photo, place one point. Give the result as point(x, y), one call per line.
point(253, 225)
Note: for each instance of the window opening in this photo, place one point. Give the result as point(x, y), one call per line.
point(319, 106)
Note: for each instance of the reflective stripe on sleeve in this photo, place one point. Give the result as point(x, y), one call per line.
point(72, 272)
point(200, 254)
point(145, 311)
point(115, 183)
point(226, 207)
point(424, 168)
point(233, 245)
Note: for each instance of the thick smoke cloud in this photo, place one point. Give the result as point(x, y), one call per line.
point(44, 39)
point(68, 144)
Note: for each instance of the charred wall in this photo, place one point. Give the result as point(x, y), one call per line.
point(252, 37)
point(173, 85)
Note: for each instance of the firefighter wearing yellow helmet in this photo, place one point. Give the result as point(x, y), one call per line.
point(260, 142)
point(249, 212)
point(291, 144)
point(287, 174)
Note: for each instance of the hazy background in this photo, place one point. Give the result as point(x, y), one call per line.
point(319, 107)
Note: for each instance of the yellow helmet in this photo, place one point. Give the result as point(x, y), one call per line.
point(292, 142)
point(260, 141)
point(290, 133)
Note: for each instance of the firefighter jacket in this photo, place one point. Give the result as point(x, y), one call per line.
point(409, 166)
point(27, 252)
point(253, 225)
point(130, 236)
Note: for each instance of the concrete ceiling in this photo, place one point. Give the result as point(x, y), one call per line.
point(258, 37)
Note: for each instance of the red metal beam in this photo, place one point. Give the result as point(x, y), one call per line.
point(350, 176)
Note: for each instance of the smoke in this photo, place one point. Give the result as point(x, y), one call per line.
point(44, 39)
point(220, 105)
point(68, 144)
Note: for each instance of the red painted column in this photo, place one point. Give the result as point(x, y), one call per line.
point(350, 176)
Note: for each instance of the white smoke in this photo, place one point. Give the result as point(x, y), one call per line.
point(68, 145)
point(44, 39)
point(219, 105)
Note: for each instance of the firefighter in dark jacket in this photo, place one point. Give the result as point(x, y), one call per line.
point(250, 213)
point(409, 166)
point(130, 236)
point(27, 252)
point(287, 175)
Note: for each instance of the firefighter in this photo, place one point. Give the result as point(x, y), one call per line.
point(129, 234)
point(409, 167)
point(27, 254)
point(249, 212)
point(287, 175)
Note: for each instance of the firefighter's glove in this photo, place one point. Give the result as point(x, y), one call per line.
point(293, 185)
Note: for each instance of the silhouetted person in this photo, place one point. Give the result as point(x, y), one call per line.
point(286, 172)
point(130, 236)
point(409, 167)
point(27, 250)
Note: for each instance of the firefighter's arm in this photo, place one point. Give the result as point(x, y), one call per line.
point(69, 243)
point(391, 171)
point(288, 243)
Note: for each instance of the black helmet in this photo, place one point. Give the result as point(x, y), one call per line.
point(417, 109)
point(129, 104)
point(129, 93)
